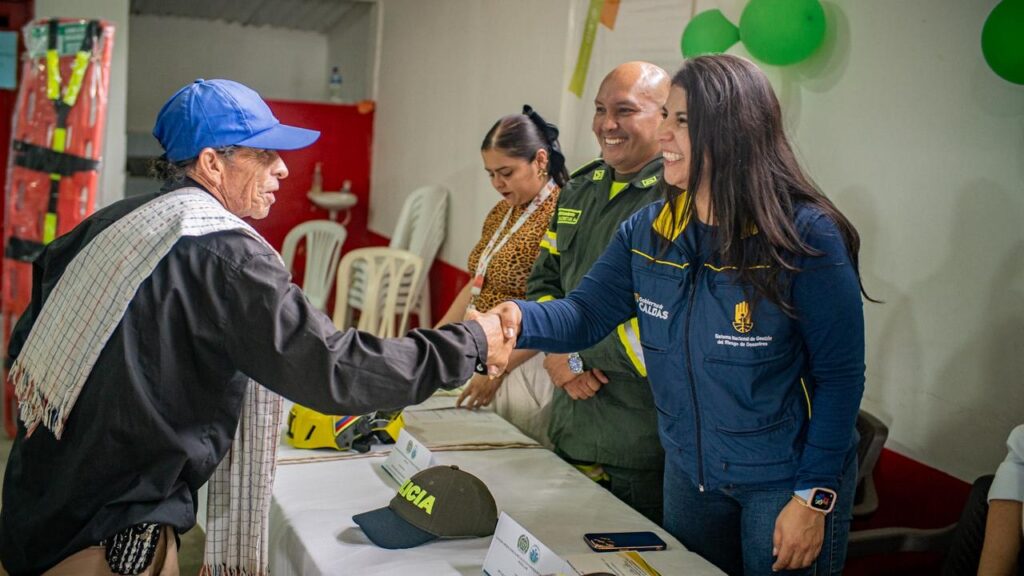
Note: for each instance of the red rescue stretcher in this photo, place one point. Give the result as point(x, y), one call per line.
point(56, 147)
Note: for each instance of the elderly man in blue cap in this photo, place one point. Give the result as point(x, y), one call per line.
point(162, 333)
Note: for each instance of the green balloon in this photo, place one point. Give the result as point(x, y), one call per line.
point(710, 32)
point(1002, 41)
point(782, 32)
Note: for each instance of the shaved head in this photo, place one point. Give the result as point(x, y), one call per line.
point(648, 79)
point(627, 111)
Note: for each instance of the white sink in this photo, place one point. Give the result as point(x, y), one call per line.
point(333, 201)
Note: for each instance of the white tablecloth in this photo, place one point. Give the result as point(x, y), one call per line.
point(312, 532)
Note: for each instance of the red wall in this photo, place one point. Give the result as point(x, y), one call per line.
point(343, 148)
point(914, 495)
point(346, 136)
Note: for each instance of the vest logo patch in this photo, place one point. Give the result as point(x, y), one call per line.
point(598, 175)
point(648, 182)
point(569, 215)
point(742, 322)
point(418, 496)
point(651, 308)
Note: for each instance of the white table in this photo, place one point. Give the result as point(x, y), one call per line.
point(312, 532)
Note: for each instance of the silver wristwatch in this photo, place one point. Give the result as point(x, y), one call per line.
point(575, 363)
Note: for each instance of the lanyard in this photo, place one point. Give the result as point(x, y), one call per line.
point(498, 240)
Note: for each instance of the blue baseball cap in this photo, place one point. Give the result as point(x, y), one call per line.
point(217, 113)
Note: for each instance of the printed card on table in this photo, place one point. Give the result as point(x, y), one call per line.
point(516, 552)
point(408, 457)
point(622, 563)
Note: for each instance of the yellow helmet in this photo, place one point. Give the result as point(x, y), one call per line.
point(308, 428)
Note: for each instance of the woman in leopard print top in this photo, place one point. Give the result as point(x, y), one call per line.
point(510, 267)
point(522, 156)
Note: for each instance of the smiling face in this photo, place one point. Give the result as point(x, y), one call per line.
point(674, 139)
point(517, 180)
point(626, 116)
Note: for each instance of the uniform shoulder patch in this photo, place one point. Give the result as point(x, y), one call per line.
point(568, 215)
point(586, 168)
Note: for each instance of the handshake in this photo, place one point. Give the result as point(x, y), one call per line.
point(501, 324)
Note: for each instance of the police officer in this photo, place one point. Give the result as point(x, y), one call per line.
point(603, 417)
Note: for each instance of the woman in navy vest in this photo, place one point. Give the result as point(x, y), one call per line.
point(745, 282)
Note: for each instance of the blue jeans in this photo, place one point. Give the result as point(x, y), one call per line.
point(732, 527)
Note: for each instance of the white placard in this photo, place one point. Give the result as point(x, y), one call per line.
point(516, 552)
point(408, 457)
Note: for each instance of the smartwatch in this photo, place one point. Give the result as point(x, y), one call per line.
point(575, 364)
point(820, 499)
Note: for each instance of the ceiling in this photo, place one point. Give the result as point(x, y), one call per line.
point(310, 15)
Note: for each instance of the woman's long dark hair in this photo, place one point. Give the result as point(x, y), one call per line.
point(522, 135)
point(735, 124)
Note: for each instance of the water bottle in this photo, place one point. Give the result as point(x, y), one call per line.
point(335, 85)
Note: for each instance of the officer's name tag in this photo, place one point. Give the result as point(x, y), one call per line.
point(408, 457)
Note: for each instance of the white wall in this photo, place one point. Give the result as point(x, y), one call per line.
point(351, 47)
point(904, 126)
point(116, 11)
point(919, 142)
point(168, 53)
point(447, 73)
point(897, 118)
point(644, 30)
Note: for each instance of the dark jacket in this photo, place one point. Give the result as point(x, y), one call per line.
point(160, 408)
point(745, 394)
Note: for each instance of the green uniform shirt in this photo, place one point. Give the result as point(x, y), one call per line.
point(618, 426)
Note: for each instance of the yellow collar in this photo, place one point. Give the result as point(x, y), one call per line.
point(663, 223)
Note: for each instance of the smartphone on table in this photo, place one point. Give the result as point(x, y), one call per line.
point(612, 541)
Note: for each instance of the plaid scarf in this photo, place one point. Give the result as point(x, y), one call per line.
point(76, 321)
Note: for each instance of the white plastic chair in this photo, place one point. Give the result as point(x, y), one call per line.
point(324, 239)
point(383, 272)
point(421, 230)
